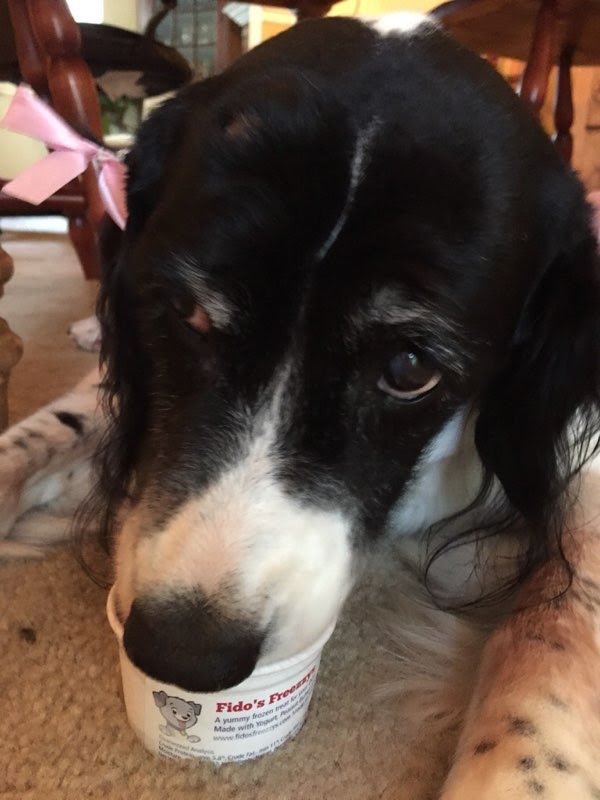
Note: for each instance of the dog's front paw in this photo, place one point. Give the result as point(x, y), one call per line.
point(11, 488)
point(493, 782)
point(86, 334)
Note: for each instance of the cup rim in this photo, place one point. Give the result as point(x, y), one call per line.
point(266, 669)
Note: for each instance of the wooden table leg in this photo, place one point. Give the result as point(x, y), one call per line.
point(11, 346)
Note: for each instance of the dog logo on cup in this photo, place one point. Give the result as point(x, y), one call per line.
point(179, 715)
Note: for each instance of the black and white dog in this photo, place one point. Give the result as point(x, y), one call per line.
point(357, 296)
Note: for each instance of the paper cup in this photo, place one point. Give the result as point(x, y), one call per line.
point(237, 724)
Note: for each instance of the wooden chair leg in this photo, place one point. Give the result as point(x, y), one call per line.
point(563, 110)
point(11, 346)
point(85, 241)
point(541, 57)
point(311, 9)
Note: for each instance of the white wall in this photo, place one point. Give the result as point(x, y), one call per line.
point(86, 10)
point(121, 13)
point(16, 152)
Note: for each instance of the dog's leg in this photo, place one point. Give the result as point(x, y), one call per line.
point(533, 725)
point(45, 464)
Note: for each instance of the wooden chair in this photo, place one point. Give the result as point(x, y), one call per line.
point(59, 59)
point(543, 33)
point(48, 45)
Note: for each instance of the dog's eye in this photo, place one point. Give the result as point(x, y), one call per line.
point(198, 320)
point(409, 376)
point(193, 314)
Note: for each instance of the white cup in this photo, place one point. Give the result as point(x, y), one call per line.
point(237, 724)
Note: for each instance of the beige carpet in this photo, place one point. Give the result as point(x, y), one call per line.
point(63, 730)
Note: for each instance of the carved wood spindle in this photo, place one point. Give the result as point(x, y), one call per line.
point(11, 346)
point(31, 62)
point(75, 97)
point(563, 109)
point(539, 64)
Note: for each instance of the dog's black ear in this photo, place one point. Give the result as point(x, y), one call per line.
point(121, 353)
point(160, 698)
point(145, 162)
point(539, 420)
point(157, 141)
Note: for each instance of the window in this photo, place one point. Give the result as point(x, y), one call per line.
point(191, 28)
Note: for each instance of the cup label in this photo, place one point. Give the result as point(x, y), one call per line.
point(225, 726)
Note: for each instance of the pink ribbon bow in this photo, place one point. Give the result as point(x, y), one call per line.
point(70, 156)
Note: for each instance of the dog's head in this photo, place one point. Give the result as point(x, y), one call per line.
point(344, 256)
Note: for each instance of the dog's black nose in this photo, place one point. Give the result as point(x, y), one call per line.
point(187, 642)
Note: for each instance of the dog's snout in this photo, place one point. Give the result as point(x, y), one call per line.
point(189, 643)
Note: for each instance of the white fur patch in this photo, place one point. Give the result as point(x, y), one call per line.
point(86, 333)
point(437, 654)
point(401, 22)
point(446, 478)
point(359, 161)
point(218, 308)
